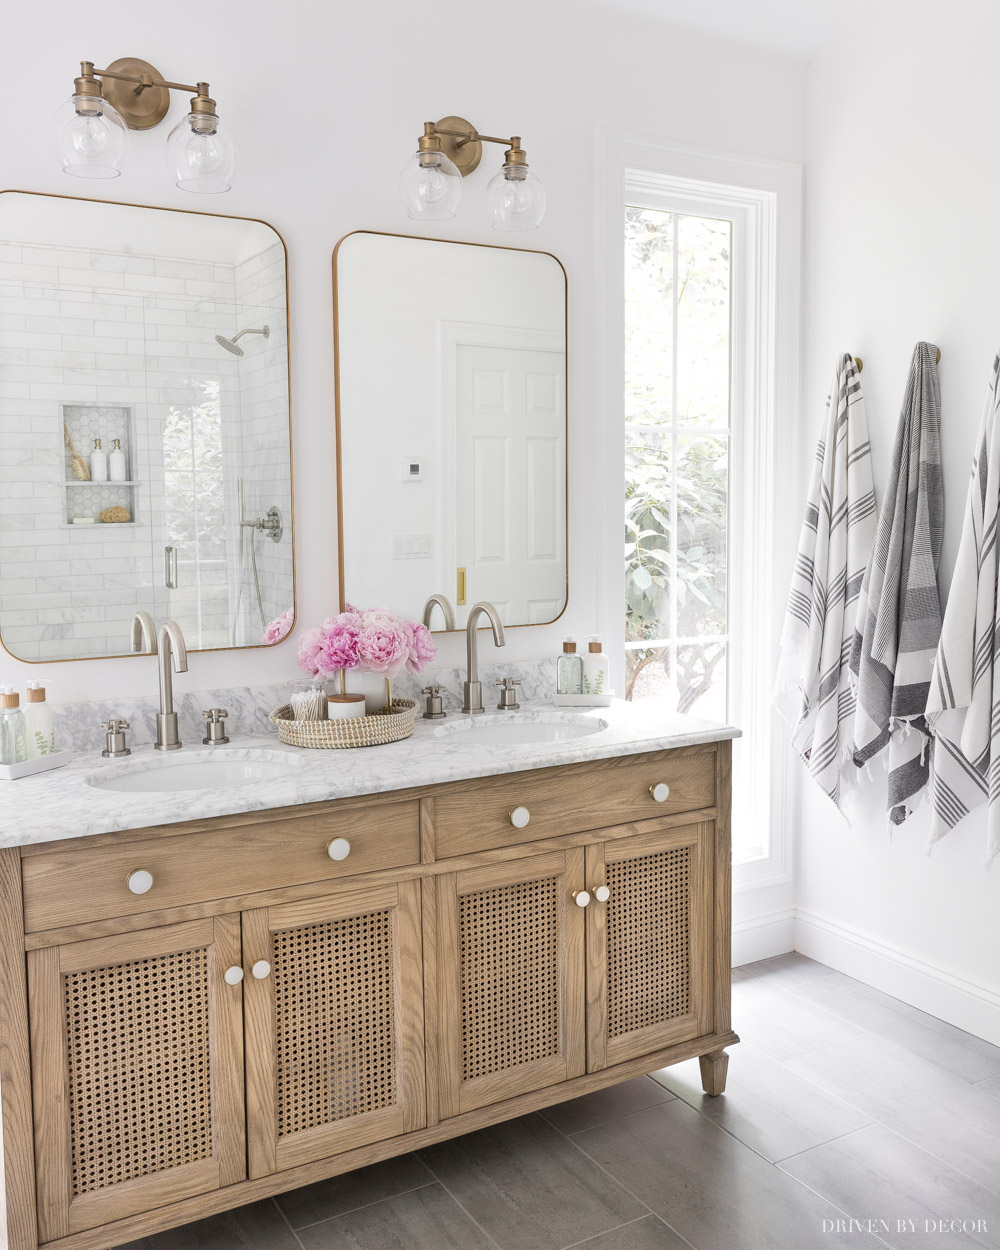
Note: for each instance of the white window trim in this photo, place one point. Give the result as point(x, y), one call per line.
point(764, 199)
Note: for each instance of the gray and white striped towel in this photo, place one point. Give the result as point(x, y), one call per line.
point(813, 689)
point(899, 610)
point(963, 707)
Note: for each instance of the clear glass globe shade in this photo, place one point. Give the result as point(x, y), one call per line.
point(199, 158)
point(91, 137)
point(515, 199)
point(430, 187)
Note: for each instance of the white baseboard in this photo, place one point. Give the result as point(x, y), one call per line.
point(760, 937)
point(966, 1005)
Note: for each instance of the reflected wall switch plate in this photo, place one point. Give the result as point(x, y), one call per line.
point(411, 469)
point(411, 546)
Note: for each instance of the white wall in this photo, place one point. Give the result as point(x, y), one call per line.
point(327, 102)
point(901, 245)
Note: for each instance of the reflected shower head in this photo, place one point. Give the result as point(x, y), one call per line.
point(230, 344)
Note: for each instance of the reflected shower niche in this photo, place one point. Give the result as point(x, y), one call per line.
point(164, 332)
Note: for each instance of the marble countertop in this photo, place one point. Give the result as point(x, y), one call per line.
point(61, 804)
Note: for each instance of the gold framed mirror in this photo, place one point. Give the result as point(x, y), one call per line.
point(452, 426)
point(145, 421)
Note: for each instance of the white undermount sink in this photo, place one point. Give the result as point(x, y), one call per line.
point(198, 773)
point(509, 731)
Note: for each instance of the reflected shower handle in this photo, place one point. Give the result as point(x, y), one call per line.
point(170, 567)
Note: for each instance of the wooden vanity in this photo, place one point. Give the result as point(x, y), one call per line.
point(265, 1015)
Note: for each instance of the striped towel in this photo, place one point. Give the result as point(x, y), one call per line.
point(963, 707)
point(813, 689)
point(899, 610)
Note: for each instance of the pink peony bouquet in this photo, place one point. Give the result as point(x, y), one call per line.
point(374, 641)
point(278, 628)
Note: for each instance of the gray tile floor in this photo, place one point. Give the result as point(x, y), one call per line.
point(844, 1106)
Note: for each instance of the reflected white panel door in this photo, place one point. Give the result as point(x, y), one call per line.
point(510, 450)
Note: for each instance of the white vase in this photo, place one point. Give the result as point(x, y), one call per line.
point(371, 685)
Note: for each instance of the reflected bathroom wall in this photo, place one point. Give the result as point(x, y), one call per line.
point(121, 344)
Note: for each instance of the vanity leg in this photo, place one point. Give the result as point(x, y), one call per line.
point(713, 1071)
point(18, 1229)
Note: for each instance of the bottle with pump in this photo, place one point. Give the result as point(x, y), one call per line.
point(117, 464)
point(595, 668)
point(98, 463)
point(12, 736)
point(569, 670)
point(39, 732)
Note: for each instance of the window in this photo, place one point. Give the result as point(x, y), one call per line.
point(677, 412)
point(699, 271)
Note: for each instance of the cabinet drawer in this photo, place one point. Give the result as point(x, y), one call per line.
point(84, 885)
point(480, 815)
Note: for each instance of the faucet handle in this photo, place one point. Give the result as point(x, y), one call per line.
point(508, 696)
point(435, 704)
point(215, 730)
point(115, 746)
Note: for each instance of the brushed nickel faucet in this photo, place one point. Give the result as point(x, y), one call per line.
point(171, 648)
point(447, 610)
point(143, 634)
point(473, 688)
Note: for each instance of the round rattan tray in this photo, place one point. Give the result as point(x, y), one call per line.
point(349, 731)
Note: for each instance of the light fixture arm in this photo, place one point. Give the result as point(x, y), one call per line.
point(143, 96)
point(462, 143)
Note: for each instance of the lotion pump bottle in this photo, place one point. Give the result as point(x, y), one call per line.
point(12, 736)
point(117, 465)
point(98, 463)
point(39, 736)
point(569, 669)
point(595, 668)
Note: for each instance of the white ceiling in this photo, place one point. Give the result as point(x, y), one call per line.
point(799, 28)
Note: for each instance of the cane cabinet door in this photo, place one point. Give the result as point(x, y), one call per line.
point(649, 942)
point(137, 1062)
point(510, 941)
point(334, 1024)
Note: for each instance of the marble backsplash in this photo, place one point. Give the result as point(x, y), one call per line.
point(78, 725)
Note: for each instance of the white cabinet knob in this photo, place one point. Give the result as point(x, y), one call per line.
point(234, 975)
point(602, 894)
point(519, 817)
point(581, 898)
point(339, 848)
point(660, 792)
point(140, 881)
point(261, 969)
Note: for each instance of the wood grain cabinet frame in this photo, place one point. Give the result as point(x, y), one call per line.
point(266, 1017)
point(335, 1029)
point(137, 1056)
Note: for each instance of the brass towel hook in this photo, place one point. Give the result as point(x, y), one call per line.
point(861, 364)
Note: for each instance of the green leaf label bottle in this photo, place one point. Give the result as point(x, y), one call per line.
point(595, 668)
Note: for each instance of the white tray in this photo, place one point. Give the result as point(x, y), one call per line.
point(583, 700)
point(13, 772)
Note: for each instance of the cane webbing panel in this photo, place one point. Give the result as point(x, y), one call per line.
point(509, 976)
point(333, 1000)
point(649, 965)
point(140, 1091)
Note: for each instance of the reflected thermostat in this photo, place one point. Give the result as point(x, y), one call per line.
point(412, 469)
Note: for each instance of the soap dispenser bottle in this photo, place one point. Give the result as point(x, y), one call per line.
point(98, 463)
point(39, 733)
point(569, 669)
point(117, 464)
point(595, 668)
point(12, 737)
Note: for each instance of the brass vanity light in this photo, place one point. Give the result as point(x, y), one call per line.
point(430, 186)
point(93, 125)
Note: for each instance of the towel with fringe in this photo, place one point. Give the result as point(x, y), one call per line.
point(813, 689)
point(899, 610)
point(963, 707)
